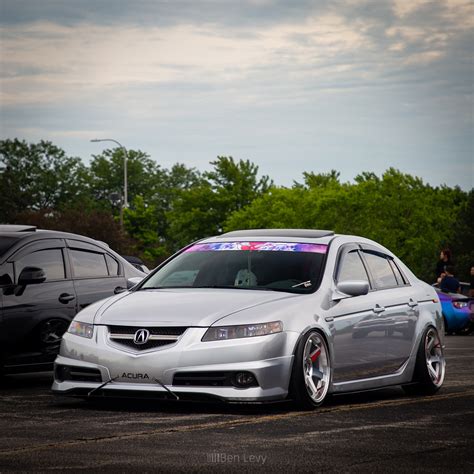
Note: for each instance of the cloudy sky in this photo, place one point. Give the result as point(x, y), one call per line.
point(354, 85)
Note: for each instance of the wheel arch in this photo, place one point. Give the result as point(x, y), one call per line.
point(321, 330)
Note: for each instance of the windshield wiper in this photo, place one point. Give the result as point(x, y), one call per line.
point(306, 284)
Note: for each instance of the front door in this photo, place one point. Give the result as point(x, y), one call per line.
point(359, 328)
point(35, 316)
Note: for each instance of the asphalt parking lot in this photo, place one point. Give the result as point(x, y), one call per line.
point(377, 431)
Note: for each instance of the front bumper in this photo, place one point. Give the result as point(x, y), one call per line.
point(268, 358)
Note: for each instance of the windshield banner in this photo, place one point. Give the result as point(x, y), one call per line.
point(259, 247)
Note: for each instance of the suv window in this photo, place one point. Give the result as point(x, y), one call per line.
point(50, 260)
point(88, 264)
point(351, 267)
point(381, 270)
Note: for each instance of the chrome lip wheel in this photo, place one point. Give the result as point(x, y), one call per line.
point(316, 368)
point(435, 362)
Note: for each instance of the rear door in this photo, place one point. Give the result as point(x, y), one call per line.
point(398, 300)
point(96, 273)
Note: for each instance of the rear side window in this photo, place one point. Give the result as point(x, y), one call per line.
point(401, 280)
point(88, 264)
point(351, 267)
point(112, 265)
point(49, 260)
point(381, 270)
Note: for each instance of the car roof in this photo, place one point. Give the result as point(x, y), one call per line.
point(304, 233)
point(275, 235)
point(12, 235)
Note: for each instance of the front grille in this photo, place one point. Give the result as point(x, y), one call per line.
point(157, 331)
point(158, 336)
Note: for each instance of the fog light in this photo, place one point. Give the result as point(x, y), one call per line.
point(244, 379)
point(62, 373)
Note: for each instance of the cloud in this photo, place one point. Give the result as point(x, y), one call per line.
point(340, 78)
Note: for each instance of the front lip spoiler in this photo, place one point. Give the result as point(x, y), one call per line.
point(104, 393)
point(118, 395)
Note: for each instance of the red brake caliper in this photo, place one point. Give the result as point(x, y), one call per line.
point(314, 356)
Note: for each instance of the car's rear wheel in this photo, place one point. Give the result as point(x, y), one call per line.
point(311, 374)
point(430, 365)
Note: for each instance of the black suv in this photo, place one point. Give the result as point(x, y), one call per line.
point(46, 277)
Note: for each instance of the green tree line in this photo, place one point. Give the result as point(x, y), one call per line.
point(168, 208)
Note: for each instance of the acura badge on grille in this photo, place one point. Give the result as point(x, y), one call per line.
point(141, 336)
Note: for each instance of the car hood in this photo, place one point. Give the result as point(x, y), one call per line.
point(182, 307)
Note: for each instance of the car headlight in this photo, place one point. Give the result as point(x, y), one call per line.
point(460, 304)
point(81, 329)
point(220, 333)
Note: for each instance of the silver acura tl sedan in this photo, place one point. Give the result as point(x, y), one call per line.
point(258, 316)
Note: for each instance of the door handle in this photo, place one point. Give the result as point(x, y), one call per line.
point(66, 297)
point(412, 303)
point(378, 309)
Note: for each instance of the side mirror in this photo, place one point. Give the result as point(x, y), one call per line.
point(131, 282)
point(5, 280)
point(352, 288)
point(31, 276)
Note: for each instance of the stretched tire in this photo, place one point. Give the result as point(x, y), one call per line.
point(311, 375)
point(430, 367)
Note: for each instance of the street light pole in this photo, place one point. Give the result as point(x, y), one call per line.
point(125, 176)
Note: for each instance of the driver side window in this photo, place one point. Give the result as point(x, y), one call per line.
point(351, 267)
point(50, 260)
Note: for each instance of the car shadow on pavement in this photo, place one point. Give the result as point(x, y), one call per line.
point(29, 384)
point(217, 407)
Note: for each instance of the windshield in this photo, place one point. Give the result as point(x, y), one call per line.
point(279, 266)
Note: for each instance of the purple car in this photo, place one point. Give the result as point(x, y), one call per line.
point(458, 311)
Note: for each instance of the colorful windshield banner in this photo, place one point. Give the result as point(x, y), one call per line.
point(259, 247)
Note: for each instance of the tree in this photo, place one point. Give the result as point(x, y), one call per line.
point(141, 222)
point(462, 242)
point(172, 184)
point(201, 210)
point(38, 176)
point(412, 219)
point(107, 176)
point(97, 224)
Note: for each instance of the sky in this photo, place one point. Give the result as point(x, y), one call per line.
point(293, 86)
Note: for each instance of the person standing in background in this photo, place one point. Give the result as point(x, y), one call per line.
point(449, 283)
point(444, 260)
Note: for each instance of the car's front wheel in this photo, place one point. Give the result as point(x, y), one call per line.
point(311, 375)
point(430, 365)
point(50, 334)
